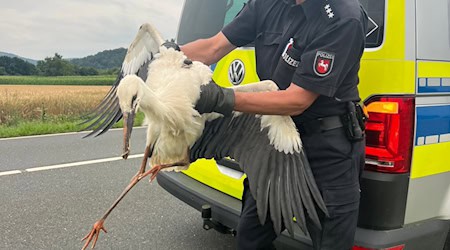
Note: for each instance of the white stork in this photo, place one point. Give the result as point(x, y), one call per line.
point(165, 86)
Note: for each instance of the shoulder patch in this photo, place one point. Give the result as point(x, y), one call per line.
point(323, 63)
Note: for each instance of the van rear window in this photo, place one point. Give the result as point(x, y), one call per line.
point(375, 32)
point(204, 18)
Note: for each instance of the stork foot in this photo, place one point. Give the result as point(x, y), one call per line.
point(93, 235)
point(126, 154)
point(154, 171)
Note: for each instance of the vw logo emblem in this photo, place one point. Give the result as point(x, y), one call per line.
point(236, 72)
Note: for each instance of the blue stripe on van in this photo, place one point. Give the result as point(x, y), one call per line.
point(433, 85)
point(433, 124)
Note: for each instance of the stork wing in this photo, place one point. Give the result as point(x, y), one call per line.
point(140, 53)
point(269, 151)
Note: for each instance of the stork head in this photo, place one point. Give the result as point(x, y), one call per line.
point(129, 94)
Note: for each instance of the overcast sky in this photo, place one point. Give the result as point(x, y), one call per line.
point(77, 28)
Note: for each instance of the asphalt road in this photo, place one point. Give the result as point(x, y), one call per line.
point(53, 188)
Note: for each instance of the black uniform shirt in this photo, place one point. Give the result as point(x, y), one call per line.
point(327, 36)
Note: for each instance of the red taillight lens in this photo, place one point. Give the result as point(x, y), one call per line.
point(389, 133)
point(389, 248)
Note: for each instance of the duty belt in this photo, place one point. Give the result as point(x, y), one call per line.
point(319, 125)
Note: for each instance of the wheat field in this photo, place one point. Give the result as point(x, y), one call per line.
point(20, 103)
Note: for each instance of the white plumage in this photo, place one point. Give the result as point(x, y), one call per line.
point(173, 124)
point(165, 86)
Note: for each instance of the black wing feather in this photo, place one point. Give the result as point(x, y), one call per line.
point(306, 197)
point(262, 166)
point(298, 204)
point(286, 206)
point(280, 182)
point(109, 123)
point(106, 102)
point(102, 114)
point(264, 187)
point(312, 185)
point(275, 195)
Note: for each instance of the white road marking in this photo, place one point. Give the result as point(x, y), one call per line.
point(38, 136)
point(49, 135)
point(10, 172)
point(67, 165)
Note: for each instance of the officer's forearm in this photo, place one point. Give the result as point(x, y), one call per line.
point(208, 51)
point(293, 101)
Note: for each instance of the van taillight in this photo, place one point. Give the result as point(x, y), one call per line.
point(389, 133)
point(389, 248)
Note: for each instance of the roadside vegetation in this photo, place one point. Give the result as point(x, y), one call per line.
point(58, 80)
point(54, 95)
point(42, 109)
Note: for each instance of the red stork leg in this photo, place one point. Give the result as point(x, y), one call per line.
point(98, 226)
point(156, 169)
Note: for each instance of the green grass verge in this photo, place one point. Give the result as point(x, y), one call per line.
point(58, 80)
point(27, 128)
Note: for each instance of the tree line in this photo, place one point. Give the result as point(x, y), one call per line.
point(50, 66)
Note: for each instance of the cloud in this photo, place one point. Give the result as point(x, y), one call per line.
point(77, 28)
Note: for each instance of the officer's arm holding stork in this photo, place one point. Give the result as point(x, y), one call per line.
point(292, 101)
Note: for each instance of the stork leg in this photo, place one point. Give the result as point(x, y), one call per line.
point(156, 169)
point(98, 225)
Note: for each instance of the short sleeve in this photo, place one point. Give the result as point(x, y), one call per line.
point(330, 57)
point(242, 30)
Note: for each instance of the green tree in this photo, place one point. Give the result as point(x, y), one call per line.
point(55, 66)
point(86, 71)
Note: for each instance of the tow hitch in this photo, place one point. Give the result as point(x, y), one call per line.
point(208, 223)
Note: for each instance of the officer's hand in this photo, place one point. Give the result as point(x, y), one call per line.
point(214, 98)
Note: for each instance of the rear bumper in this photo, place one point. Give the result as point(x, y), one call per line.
point(225, 209)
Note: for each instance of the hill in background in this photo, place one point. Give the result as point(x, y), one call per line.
point(106, 59)
point(32, 61)
point(107, 62)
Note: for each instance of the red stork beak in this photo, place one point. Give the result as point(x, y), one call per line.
point(128, 121)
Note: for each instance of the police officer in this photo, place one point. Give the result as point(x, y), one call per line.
point(312, 50)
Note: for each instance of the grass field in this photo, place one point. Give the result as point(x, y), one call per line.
point(44, 109)
point(58, 80)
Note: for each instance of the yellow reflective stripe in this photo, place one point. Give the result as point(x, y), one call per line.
point(427, 69)
point(430, 159)
point(386, 77)
point(206, 172)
